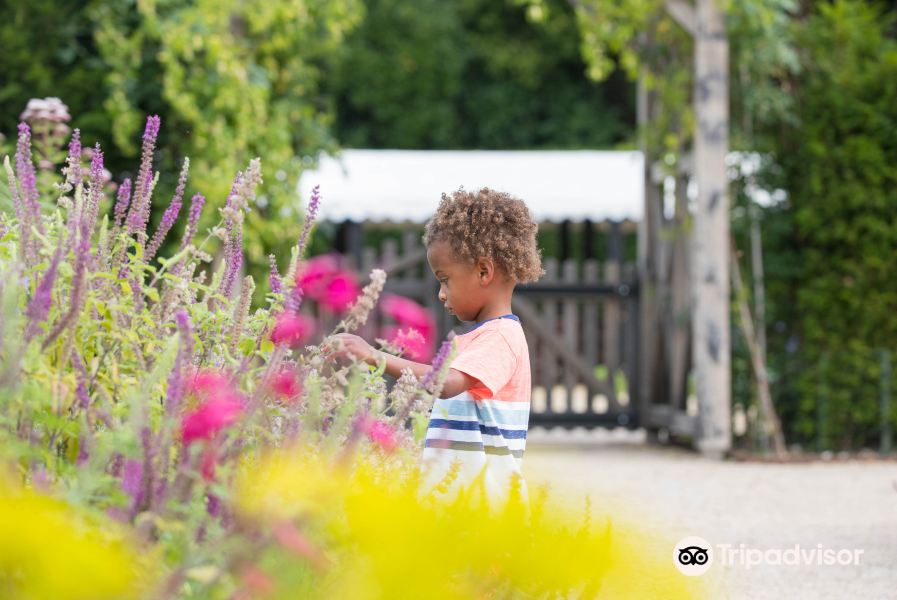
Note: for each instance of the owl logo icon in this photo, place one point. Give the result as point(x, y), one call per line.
point(693, 556)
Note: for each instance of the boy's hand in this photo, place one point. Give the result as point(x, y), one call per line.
point(352, 346)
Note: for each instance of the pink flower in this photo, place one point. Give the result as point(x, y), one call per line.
point(340, 291)
point(314, 275)
point(292, 329)
point(409, 314)
point(286, 383)
point(380, 433)
point(410, 341)
point(207, 382)
point(209, 461)
point(210, 417)
point(322, 280)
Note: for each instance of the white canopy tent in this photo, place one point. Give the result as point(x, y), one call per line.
point(400, 185)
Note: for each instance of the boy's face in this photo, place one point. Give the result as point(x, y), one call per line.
point(461, 286)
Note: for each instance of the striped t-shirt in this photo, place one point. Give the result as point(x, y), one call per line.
point(482, 430)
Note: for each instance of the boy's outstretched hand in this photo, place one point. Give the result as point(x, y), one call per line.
point(351, 346)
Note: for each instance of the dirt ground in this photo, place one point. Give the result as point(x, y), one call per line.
point(840, 505)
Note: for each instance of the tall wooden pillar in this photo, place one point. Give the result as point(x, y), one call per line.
point(710, 322)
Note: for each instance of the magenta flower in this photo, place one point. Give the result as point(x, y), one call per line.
point(312, 278)
point(409, 314)
point(380, 433)
point(213, 415)
point(208, 382)
point(286, 383)
point(292, 329)
point(340, 291)
point(410, 341)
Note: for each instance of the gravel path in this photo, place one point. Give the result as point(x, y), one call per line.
point(841, 505)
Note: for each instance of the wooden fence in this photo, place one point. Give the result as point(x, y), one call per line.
point(581, 319)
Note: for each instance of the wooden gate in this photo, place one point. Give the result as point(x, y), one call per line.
point(581, 319)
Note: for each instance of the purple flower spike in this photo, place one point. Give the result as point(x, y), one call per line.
point(140, 205)
point(177, 380)
point(73, 163)
point(430, 377)
point(95, 195)
point(196, 204)
point(122, 201)
point(39, 307)
point(28, 183)
point(170, 215)
point(310, 215)
point(274, 278)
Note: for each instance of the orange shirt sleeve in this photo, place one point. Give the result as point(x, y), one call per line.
point(490, 360)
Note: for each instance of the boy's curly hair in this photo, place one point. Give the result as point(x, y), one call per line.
point(491, 224)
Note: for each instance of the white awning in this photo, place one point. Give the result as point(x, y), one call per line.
point(401, 185)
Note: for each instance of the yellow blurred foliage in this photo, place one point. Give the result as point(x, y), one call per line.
point(381, 539)
point(49, 550)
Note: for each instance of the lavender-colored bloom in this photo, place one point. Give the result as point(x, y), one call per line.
point(132, 483)
point(39, 307)
point(234, 261)
point(82, 256)
point(294, 299)
point(310, 215)
point(177, 378)
point(170, 215)
point(27, 177)
point(196, 204)
point(140, 204)
point(121, 203)
point(73, 162)
point(95, 195)
point(81, 390)
point(431, 377)
point(274, 278)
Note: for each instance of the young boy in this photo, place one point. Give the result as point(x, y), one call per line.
point(479, 246)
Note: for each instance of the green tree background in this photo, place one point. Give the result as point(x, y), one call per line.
point(813, 89)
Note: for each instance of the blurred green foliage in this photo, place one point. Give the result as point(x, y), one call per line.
point(473, 74)
point(838, 159)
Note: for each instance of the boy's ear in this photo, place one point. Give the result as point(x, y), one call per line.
point(485, 270)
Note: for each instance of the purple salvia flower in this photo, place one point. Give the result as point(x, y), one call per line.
point(431, 377)
point(95, 194)
point(149, 455)
point(73, 162)
point(27, 177)
point(274, 277)
point(132, 484)
point(121, 203)
point(81, 390)
point(196, 204)
point(310, 215)
point(39, 307)
point(177, 378)
point(294, 299)
point(140, 204)
point(170, 215)
point(83, 451)
point(82, 256)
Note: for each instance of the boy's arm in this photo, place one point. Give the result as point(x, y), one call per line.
point(455, 381)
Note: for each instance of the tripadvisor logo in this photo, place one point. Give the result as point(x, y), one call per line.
point(693, 555)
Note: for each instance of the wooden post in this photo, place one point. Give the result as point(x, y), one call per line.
point(710, 321)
